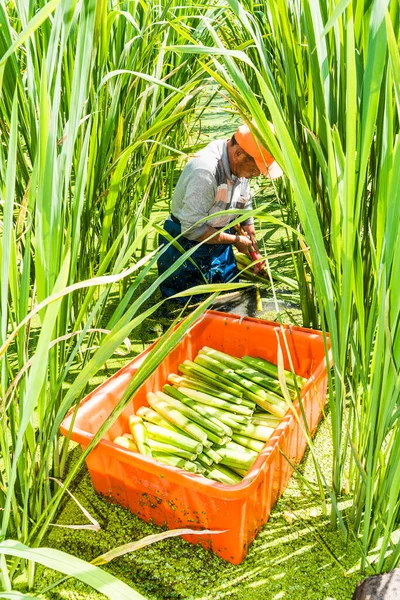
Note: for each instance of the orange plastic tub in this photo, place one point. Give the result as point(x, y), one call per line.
point(174, 498)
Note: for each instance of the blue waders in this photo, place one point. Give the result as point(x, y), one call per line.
point(214, 263)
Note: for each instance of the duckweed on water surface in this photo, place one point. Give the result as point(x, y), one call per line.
point(296, 556)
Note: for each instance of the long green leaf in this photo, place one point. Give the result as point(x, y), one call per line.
point(57, 560)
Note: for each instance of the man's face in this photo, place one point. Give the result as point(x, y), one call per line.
point(245, 165)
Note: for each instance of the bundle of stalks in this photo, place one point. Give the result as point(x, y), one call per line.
point(246, 264)
point(214, 418)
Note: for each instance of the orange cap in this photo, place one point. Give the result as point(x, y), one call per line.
point(264, 161)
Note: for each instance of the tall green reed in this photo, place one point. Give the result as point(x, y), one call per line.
point(328, 78)
point(94, 111)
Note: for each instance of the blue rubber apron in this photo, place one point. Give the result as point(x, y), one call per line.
point(213, 263)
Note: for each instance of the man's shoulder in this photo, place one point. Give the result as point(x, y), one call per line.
point(213, 148)
point(209, 156)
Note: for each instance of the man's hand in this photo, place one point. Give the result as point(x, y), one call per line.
point(259, 266)
point(254, 253)
point(250, 232)
point(243, 243)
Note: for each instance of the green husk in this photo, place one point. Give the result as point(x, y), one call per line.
point(204, 459)
point(250, 390)
point(201, 386)
point(163, 448)
point(219, 371)
point(213, 455)
point(240, 448)
point(202, 366)
point(176, 461)
point(186, 410)
point(205, 411)
point(213, 439)
point(257, 432)
point(236, 458)
point(216, 402)
point(223, 475)
point(139, 434)
point(224, 417)
point(272, 370)
point(241, 472)
point(201, 468)
point(207, 378)
point(222, 357)
point(246, 384)
point(232, 445)
point(265, 419)
point(152, 416)
point(270, 384)
point(176, 418)
point(167, 436)
point(272, 407)
point(125, 442)
point(248, 442)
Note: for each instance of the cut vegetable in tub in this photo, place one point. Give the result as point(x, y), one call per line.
point(213, 417)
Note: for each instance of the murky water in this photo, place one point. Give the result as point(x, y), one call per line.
point(246, 304)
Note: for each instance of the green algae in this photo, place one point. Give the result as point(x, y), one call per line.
point(296, 555)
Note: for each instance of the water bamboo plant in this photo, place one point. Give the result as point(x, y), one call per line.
point(94, 111)
point(329, 79)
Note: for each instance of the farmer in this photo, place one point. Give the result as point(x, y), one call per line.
point(215, 179)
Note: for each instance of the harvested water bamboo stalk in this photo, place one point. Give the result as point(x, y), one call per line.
point(124, 442)
point(272, 370)
point(217, 434)
point(235, 458)
point(217, 402)
point(248, 442)
point(257, 432)
point(171, 437)
point(139, 434)
point(222, 357)
point(201, 386)
point(176, 418)
point(152, 416)
point(223, 475)
point(213, 375)
point(176, 461)
point(208, 412)
point(157, 446)
point(190, 413)
point(263, 380)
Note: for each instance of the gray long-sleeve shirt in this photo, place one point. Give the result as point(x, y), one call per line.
point(206, 186)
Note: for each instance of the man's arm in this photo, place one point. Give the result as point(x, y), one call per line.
point(241, 242)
